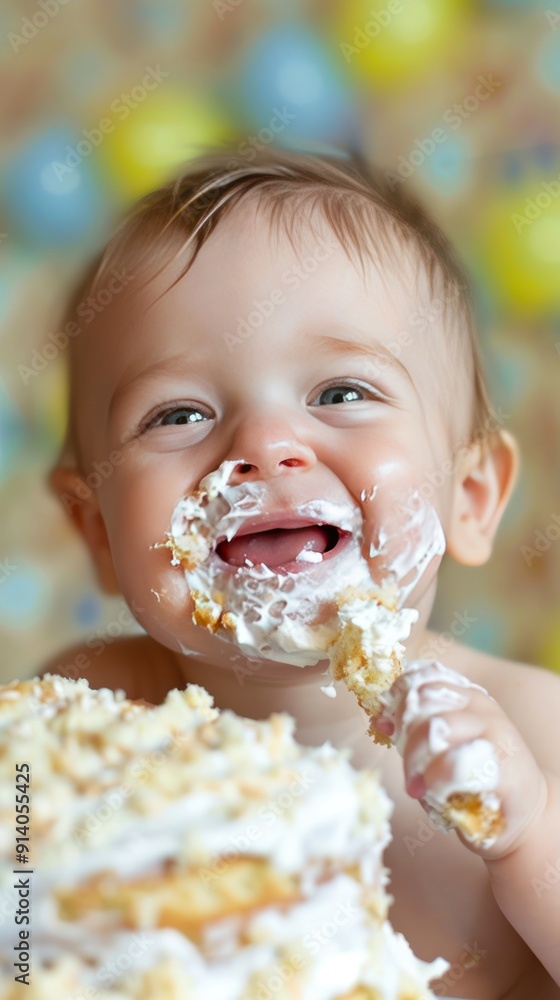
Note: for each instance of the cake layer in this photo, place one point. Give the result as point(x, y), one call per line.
point(323, 948)
point(186, 901)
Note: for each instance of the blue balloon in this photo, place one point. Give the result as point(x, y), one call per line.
point(50, 192)
point(290, 87)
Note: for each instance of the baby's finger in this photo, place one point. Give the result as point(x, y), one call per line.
point(449, 691)
point(432, 737)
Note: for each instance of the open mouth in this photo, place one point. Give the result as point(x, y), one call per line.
point(284, 549)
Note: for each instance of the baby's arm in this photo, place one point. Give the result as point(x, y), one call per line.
point(526, 883)
point(521, 769)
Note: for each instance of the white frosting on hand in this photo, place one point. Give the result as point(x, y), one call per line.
point(433, 701)
point(474, 765)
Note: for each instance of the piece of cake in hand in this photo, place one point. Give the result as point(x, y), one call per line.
point(181, 853)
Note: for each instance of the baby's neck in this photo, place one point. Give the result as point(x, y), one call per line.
point(258, 689)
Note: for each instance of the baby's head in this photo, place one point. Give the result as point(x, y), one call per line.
point(292, 314)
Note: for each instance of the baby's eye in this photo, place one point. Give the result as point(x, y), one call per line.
point(343, 392)
point(176, 416)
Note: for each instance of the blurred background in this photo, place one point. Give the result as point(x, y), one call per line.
point(102, 99)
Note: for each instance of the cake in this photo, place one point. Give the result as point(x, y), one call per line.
point(346, 617)
point(181, 853)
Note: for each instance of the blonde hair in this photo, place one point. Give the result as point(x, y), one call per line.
point(368, 217)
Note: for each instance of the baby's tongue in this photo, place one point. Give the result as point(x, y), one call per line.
point(274, 548)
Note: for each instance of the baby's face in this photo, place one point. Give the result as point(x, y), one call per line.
point(286, 360)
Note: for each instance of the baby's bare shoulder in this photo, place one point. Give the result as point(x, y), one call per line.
point(529, 695)
point(137, 664)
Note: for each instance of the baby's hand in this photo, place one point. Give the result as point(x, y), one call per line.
point(455, 738)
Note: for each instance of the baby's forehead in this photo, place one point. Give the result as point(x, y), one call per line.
point(389, 270)
point(256, 232)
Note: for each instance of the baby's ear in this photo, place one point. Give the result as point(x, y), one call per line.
point(484, 479)
point(81, 504)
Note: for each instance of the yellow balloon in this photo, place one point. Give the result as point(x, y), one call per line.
point(54, 404)
point(390, 42)
point(520, 236)
point(164, 130)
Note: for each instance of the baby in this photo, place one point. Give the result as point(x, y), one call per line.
point(294, 318)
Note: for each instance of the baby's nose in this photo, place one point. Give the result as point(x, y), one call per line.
point(269, 461)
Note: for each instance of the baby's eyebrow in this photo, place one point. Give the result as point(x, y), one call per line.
point(166, 366)
point(373, 349)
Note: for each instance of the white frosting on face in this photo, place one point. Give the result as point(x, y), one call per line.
point(294, 617)
point(409, 543)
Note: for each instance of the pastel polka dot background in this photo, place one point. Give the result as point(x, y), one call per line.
point(102, 99)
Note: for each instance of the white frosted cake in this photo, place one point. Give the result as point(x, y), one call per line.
point(179, 853)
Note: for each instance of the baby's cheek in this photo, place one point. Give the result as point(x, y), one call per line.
point(155, 591)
